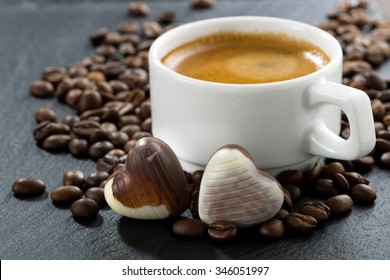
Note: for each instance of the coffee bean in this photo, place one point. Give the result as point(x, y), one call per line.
point(200, 4)
point(44, 114)
point(330, 169)
point(73, 177)
point(107, 163)
point(138, 8)
point(128, 145)
point(281, 215)
point(41, 88)
point(127, 27)
point(54, 74)
point(385, 160)
point(300, 223)
point(84, 209)
point(97, 36)
point(78, 147)
point(88, 100)
point(77, 71)
point(66, 194)
point(325, 188)
point(362, 194)
point(105, 50)
point(339, 204)
point(117, 152)
point(190, 228)
point(222, 230)
point(97, 194)
point(272, 229)
point(314, 174)
point(151, 29)
point(56, 142)
point(378, 109)
point(290, 177)
point(146, 125)
point(98, 135)
point(355, 178)
point(99, 149)
point(28, 186)
point(134, 77)
point(112, 38)
point(95, 179)
point(97, 76)
point(47, 128)
point(118, 138)
point(382, 145)
point(118, 86)
point(341, 183)
point(70, 120)
point(166, 16)
point(317, 209)
point(130, 129)
point(85, 128)
point(364, 164)
point(294, 191)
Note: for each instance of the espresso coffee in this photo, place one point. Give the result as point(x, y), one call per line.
point(246, 58)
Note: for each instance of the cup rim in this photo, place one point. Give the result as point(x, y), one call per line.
point(154, 58)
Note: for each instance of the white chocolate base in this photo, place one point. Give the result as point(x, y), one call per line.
point(144, 213)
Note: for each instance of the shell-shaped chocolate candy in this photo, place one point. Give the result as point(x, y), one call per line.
point(233, 189)
point(151, 185)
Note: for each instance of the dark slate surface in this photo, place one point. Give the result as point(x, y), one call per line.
point(35, 34)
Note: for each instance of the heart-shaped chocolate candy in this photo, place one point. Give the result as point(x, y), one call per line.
point(234, 190)
point(151, 185)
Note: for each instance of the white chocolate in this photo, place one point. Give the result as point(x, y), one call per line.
point(233, 189)
point(144, 212)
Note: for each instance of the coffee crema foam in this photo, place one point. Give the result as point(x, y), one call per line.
point(246, 58)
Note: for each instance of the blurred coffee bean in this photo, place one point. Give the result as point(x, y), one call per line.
point(97, 36)
point(44, 114)
point(85, 128)
point(364, 164)
point(41, 88)
point(56, 142)
point(151, 29)
point(138, 8)
point(200, 4)
point(128, 27)
point(166, 16)
point(54, 74)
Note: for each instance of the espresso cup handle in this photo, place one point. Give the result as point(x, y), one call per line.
point(356, 105)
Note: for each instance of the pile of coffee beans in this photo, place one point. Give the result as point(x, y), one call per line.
point(109, 92)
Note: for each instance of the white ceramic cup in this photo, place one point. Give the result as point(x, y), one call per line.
point(284, 125)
